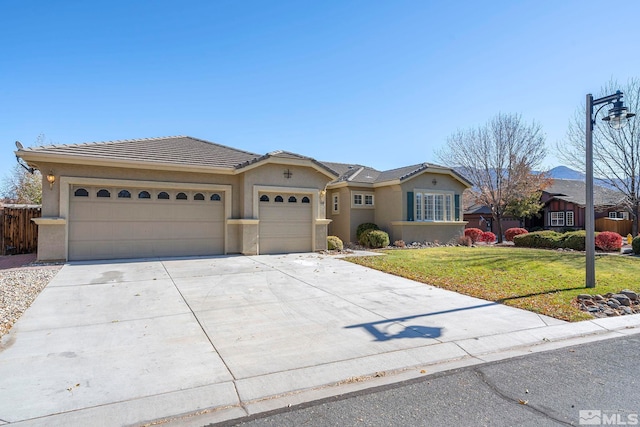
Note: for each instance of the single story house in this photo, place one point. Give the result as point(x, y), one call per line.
point(182, 196)
point(479, 216)
point(564, 205)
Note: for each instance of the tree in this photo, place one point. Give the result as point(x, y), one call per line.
point(616, 153)
point(499, 159)
point(21, 185)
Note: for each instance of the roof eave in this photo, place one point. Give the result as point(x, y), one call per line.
point(33, 157)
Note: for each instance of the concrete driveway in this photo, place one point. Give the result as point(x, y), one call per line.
point(120, 343)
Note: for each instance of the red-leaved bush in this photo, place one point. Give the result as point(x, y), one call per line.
point(513, 232)
point(488, 237)
point(473, 233)
point(609, 241)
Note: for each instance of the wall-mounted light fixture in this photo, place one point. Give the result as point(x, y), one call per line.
point(51, 178)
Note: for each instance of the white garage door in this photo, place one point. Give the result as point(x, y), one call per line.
point(285, 223)
point(108, 223)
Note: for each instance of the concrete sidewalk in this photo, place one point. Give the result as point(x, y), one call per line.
point(196, 341)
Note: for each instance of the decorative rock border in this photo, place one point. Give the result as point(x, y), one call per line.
point(609, 305)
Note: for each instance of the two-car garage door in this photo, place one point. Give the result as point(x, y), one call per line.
point(115, 222)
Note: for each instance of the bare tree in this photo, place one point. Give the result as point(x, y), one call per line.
point(499, 159)
point(616, 153)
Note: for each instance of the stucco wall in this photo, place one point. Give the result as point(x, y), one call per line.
point(340, 225)
point(51, 197)
point(274, 175)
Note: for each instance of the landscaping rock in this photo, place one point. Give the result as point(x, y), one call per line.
point(629, 294)
point(620, 304)
point(613, 303)
point(622, 299)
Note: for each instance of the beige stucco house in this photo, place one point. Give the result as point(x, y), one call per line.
point(182, 196)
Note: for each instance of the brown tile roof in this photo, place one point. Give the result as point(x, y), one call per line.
point(181, 150)
point(574, 191)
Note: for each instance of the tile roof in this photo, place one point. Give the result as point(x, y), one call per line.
point(574, 191)
point(181, 150)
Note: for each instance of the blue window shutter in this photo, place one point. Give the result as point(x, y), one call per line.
point(457, 203)
point(409, 205)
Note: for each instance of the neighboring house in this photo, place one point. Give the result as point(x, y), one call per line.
point(182, 196)
point(564, 205)
point(479, 216)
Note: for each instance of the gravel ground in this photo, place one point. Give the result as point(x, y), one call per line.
point(18, 288)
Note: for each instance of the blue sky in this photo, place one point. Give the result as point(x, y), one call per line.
point(381, 83)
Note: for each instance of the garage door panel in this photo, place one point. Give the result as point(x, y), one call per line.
point(285, 227)
point(110, 228)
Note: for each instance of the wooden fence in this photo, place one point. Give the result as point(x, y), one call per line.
point(620, 226)
point(19, 233)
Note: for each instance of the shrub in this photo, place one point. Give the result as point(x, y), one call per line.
point(609, 241)
point(512, 232)
point(488, 237)
point(574, 240)
point(334, 243)
point(374, 239)
point(635, 244)
point(399, 244)
point(473, 233)
point(539, 239)
point(364, 227)
point(464, 241)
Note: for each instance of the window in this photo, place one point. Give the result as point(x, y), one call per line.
point(368, 199)
point(557, 219)
point(292, 199)
point(124, 194)
point(144, 195)
point(163, 195)
point(264, 198)
point(448, 208)
point(181, 196)
point(335, 203)
point(428, 207)
point(104, 193)
point(305, 199)
point(215, 197)
point(357, 199)
point(198, 196)
point(81, 192)
point(613, 215)
point(278, 199)
point(362, 200)
point(569, 217)
point(433, 206)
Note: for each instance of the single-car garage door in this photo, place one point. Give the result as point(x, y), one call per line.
point(286, 223)
point(108, 222)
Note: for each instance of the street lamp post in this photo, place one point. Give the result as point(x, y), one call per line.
point(617, 119)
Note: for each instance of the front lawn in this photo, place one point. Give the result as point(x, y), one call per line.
point(542, 281)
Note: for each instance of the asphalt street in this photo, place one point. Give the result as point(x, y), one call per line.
point(590, 384)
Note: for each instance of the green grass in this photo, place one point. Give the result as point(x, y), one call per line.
point(542, 281)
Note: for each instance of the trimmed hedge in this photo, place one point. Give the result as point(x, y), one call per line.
point(488, 237)
point(539, 239)
point(512, 232)
point(334, 243)
point(474, 234)
point(635, 244)
point(374, 239)
point(609, 241)
point(364, 227)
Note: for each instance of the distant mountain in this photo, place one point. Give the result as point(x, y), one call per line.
point(563, 172)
